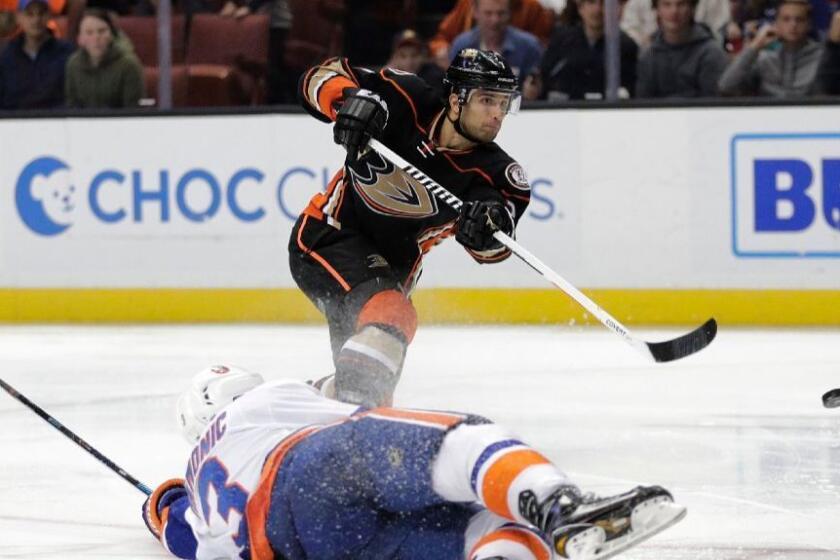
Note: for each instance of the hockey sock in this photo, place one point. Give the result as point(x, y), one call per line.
point(369, 364)
point(391, 310)
point(490, 537)
point(512, 542)
point(368, 367)
point(486, 463)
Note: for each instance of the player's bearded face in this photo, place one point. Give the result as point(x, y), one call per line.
point(484, 111)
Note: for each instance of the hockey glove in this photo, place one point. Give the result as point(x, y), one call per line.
point(362, 116)
point(479, 220)
point(156, 506)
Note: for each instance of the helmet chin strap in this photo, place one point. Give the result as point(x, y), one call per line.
point(459, 129)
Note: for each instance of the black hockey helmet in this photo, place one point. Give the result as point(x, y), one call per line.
point(476, 69)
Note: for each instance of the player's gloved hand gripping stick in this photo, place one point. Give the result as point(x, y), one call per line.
point(478, 223)
point(362, 116)
point(665, 351)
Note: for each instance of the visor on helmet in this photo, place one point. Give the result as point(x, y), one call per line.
point(508, 101)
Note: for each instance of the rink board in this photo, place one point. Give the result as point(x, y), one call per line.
point(663, 216)
point(434, 305)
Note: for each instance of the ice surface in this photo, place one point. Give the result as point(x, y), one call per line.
point(737, 432)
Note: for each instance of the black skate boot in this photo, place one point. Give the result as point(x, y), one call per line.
point(592, 528)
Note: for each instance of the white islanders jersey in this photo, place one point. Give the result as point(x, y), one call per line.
point(226, 465)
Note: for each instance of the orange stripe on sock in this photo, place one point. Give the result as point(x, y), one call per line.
point(501, 474)
point(526, 538)
point(390, 308)
point(428, 417)
point(256, 512)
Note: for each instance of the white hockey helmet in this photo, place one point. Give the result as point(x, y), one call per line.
point(211, 390)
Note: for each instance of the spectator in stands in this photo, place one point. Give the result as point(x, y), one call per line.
point(102, 73)
point(684, 60)
point(493, 31)
point(638, 19)
point(410, 54)
point(829, 72)
point(573, 63)
point(8, 23)
point(32, 65)
point(789, 70)
point(527, 15)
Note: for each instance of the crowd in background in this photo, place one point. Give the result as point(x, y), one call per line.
point(103, 53)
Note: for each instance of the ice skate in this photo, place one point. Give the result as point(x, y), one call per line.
point(594, 528)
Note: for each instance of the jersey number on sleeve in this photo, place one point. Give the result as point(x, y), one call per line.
point(229, 497)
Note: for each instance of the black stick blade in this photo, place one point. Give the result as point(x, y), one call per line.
point(832, 399)
point(685, 345)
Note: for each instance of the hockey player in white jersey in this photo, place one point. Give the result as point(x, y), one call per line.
point(281, 471)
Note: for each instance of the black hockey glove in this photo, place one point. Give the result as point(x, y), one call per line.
point(361, 117)
point(479, 220)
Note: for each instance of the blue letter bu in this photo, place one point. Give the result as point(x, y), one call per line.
point(768, 194)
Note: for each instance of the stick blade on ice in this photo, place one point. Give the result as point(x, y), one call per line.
point(684, 345)
point(831, 399)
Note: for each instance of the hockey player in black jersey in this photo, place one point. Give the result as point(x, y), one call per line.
point(357, 249)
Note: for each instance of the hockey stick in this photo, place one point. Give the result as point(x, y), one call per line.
point(665, 351)
point(76, 439)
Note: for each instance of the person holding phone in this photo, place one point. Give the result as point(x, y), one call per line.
point(780, 61)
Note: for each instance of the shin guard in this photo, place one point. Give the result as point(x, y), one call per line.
point(370, 362)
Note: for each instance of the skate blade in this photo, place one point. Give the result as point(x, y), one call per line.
point(586, 544)
point(648, 518)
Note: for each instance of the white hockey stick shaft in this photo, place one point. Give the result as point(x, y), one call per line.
point(529, 258)
point(608, 320)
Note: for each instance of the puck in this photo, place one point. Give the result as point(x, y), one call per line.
point(832, 399)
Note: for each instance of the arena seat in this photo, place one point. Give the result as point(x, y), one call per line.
point(144, 36)
point(180, 84)
point(316, 33)
point(237, 64)
point(214, 85)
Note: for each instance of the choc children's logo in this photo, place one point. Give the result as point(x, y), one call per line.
point(45, 196)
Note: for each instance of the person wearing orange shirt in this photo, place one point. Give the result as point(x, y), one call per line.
point(527, 15)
